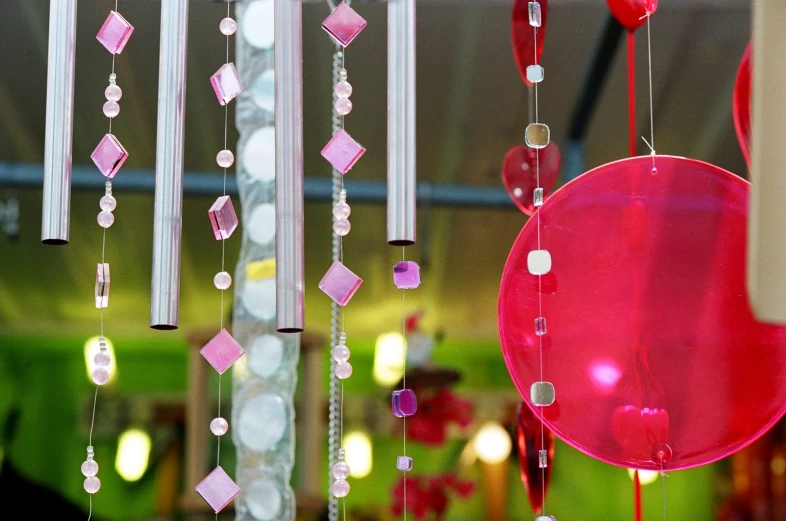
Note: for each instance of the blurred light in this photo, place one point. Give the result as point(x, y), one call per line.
point(92, 347)
point(357, 448)
point(389, 355)
point(778, 465)
point(645, 476)
point(605, 374)
point(133, 452)
point(468, 455)
point(492, 443)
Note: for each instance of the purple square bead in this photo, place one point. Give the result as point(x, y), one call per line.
point(339, 283)
point(218, 489)
point(404, 403)
point(102, 285)
point(406, 275)
point(223, 217)
point(222, 351)
point(115, 32)
point(344, 24)
point(404, 463)
point(109, 156)
point(226, 83)
point(342, 151)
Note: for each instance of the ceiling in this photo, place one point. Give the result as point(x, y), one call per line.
point(472, 107)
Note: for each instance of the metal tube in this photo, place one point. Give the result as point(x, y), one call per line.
point(288, 29)
point(168, 212)
point(401, 123)
point(56, 213)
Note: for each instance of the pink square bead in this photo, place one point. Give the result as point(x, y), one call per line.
point(226, 83)
point(404, 403)
point(109, 156)
point(406, 275)
point(339, 283)
point(222, 351)
point(344, 24)
point(218, 489)
point(102, 285)
point(223, 217)
point(115, 32)
point(342, 151)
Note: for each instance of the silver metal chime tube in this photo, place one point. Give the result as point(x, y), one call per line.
point(56, 213)
point(289, 165)
point(401, 123)
point(168, 212)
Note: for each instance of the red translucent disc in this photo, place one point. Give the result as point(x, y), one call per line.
point(522, 35)
point(651, 344)
point(741, 104)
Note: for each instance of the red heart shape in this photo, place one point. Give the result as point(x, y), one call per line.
point(518, 173)
point(522, 35)
point(632, 14)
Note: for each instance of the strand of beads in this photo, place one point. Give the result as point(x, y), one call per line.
point(90, 471)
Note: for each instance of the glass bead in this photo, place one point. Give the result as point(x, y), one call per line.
point(226, 83)
point(228, 26)
point(340, 283)
point(540, 326)
point(92, 485)
point(225, 158)
point(543, 459)
point(111, 109)
point(219, 426)
point(342, 151)
point(403, 403)
point(343, 89)
point(113, 93)
point(89, 468)
point(223, 218)
point(537, 135)
point(108, 203)
point(341, 210)
point(406, 275)
point(542, 393)
point(222, 351)
point(535, 15)
point(222, 280)
point(340, 470)
point(539, 262)
point(545, 518)
point(535, 73)
point(102, 359)
point(404, 463)
point(343, 106)
point(217, 489)
point(103, 281)
point(342, 227)
point(343, 370)
point(340, 353)
point(343, 24)
point(109, 155)
point(115, 32)
point(105, 219)
point(100, 376)
point(537, 197)
point(340, 487)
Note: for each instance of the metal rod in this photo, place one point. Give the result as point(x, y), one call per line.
point(56, 213)
point(290, 285)
point(168, 212)
point(401, 123)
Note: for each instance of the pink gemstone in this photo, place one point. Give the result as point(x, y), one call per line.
point(406, 275)
point(223, 217)
point(222, 351)
point(109, 156)
point(404, 403)
point(226, 83)
point(115, 32)
point(339, 283)
point(343, 24)
point(342, 151)
point(218, 489)
point(102, 285)
point(404, 463)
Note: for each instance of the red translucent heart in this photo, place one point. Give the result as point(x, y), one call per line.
point(529, 443)
point(522, 35)
point(742, 104)
point(632, 14)
point(519, 173)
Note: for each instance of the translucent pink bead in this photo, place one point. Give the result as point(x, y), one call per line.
point(342, 227)
point(343, 89)
point(113, 93)
point(341, 210)
point(92, 485)
point(105, 219)
point(225, 158)
point(108, 203)
point(343, 370)
point(100, 376)
point(340, 470)
point(222, 280)
point(340, 353)
point(89, 468)
point(339, 488)
point(228, 26)
point(111, 109)
point(219, 426)
point(102, 359)
point(343, 106)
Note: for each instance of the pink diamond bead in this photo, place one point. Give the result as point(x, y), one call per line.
point(115, 32)
point(92, 485)
point(226, 83)
point(223, 217)
point(339, 488)
point(219, 426)
point(109, 156)
point(218, 489)
point(342, 151)
point(340, 284)
point(102, 285)
point(100, 376)
point(343, 370)
point(404, 463)
point(343, 24)
point(404, 403)
point(406, 275)
point(222, 351)
point(89, 468)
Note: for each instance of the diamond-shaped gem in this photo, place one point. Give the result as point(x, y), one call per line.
point(218, 489)
point(102, 285)
point(226, 83)
point(115, 32)
point(342, 151)
point(223, 217)
point(406, 275)
point(222, 351)
point(109, 156)
point(344, 24)
point(339, 283)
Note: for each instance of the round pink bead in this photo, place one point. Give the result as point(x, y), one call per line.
point(92, 484)
point(341, 210)
point(343, 89)
point(113, 93)
point(227, 26)
point(102, 359)
point(219, 426)
point(111, 109)
point(100, 376)
point(89, 468)
point(108, 203)
point(339, 488)
point(343, 370)
point(105, 219)
point(342, 227)
point(343, 106)
point(222, 280)
point(340, 353)
point(340, 470)
point(225, 158)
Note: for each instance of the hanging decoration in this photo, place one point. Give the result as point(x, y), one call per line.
point(741, 104)
point(535, 453)
point(428, 496)
point(632, 14)
point(522, 38)
point(520, 178)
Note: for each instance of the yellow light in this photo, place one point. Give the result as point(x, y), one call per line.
point(492, 443)
point(389, 355)
point(92, 347)
point(357, 448)
point(133, 453)
point(645, 476)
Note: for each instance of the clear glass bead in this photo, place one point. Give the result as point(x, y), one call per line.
point(341, 210)
point(102, 359)
point(342, 74)
point(225, 158)
point(343, 89)
point(339, 488)
point(535, 16)
point(219, 426)
point(537, 197)
point(92, 485)
point(113, 93)
point(343, 106)
point(222, 280)
point(111, 109)
point(343, 370)
point(539, 262)
point(100, 376)
point(105, 219)
point(108, 203)
point(537, 135)
point(340, 353)
point(540, 326)
point(543, 459)
point(228, 26)
point(340, 470)
point(89, 468)
point(342, 227)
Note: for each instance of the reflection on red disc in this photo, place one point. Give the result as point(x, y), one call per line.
point(651, 344)
point(741, 104)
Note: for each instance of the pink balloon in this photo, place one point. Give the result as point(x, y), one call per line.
point(522, 35)
point(651, 344)
point(632, 14)
point(518, 173)
point(741, 104)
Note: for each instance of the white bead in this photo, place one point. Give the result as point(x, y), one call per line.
point(228, 26)
point(539, 262)
point(342, 227)
point(343, 106)
point(340, 470)
point(113, 93)
point(343, 370)
point(105, 219)
point(222, 280)
point(102, 359)
point(341, 210)
point(225, 158)
point(219, 426)
point(343, 89)
point(111, 109)
point(339, 488)
point(542, 394)
point(92, 485)
point(100, 376)
point(89, 468)
point(340, 353)
point(108, 203)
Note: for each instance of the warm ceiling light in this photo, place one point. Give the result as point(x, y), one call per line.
point(389, 356)
point(645, 476)
point(92, 347)
point(133, 453)
point(357, 446)
point(492, 443)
